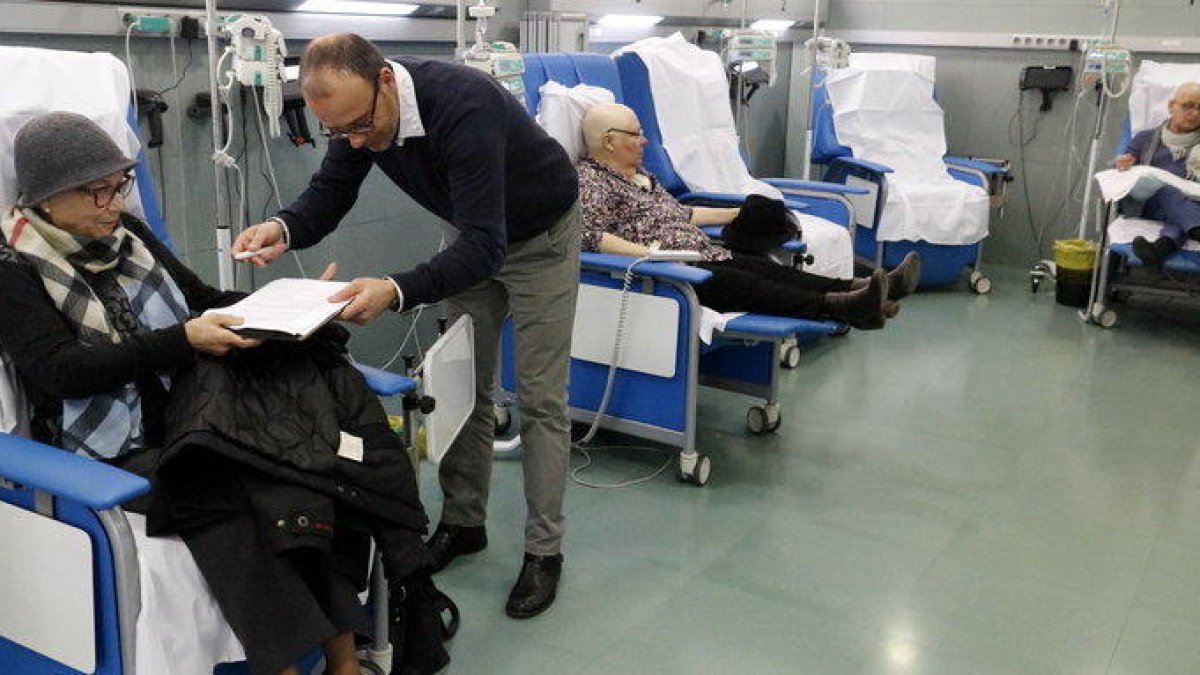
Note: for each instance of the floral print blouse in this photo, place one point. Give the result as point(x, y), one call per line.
point(610, 203)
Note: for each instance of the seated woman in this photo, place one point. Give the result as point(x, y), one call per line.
point(1175, 147)
point(100, 320)
point(625, 211)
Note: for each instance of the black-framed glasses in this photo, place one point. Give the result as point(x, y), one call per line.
point(1189, 106)
point(363, 125)
point(636, 134)
point(103, 195)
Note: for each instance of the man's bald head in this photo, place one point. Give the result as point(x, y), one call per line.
point(1184, 108)
point(335, 56)
point(602, 117)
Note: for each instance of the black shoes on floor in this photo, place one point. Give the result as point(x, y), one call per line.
point(1155, 253)
point(536, 587)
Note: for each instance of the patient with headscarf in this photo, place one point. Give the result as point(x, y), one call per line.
point(1173, 146)
point(626, 212)
point(239, 438)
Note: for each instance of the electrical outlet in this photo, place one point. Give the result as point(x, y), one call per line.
point(1052, 42)
point(164, 22)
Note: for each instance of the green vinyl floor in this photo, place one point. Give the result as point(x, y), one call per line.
point(988, 485)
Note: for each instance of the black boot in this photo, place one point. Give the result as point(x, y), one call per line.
point(1153, 254)
point(536, 586)
point(863, 308)
point(903, 278)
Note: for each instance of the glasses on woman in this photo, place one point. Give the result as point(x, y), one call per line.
point(103, 195)
point(636, 134)
point(364, 125)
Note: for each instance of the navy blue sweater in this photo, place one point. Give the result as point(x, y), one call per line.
point(483, 165)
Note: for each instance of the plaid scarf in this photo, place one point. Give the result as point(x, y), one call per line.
point(108, 424)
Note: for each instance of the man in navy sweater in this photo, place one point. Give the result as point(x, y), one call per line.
point(460, 145)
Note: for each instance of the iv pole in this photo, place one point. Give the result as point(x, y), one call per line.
point(224, 232)
point(812, 73)
point(1110, 37)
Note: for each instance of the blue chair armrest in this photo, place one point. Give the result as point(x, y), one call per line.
point(385, 383)
point(733, 199)
point(814, 186)
point(665, 271)
point(862, 163)
point(989, 169)
point(93, 484)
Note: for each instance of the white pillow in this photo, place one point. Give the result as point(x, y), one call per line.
point(562, 109)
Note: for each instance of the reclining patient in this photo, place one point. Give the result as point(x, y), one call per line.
point(239, 438)
point(1173, 147)
point(625, 211)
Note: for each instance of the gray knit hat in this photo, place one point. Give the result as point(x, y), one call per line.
point(62, 150)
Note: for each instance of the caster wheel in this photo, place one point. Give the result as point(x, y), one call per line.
point(699, 473)
point(774, 425)
point(791, 357)
point(1107, 319)
point(841, 331)
point(1034, 284)
point(503, 419)
point(980, 285)
point(366, 667)
point(756, 420)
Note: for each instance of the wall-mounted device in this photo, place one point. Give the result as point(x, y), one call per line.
point(1049, 80)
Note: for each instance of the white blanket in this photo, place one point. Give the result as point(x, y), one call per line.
point(1141, 182)
point(884, 111)
point(180, 630)
point(1124, 230)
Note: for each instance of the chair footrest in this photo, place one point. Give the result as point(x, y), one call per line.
point(779, 326)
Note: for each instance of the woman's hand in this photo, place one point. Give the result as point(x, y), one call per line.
point(1125, 162)
point(210, 334)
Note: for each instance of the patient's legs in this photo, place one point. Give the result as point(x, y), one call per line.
point(1180, 215)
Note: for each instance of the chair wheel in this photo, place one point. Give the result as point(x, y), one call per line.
point(981, 285)
point(503, 419)
point(1107, 319)
point(366, 667)
point(699, 473)
point(791, 357)
point(756, 420)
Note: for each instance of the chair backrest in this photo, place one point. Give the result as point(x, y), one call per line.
point(635, 79)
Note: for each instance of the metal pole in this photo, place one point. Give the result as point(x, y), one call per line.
point(224, 234)
point(1093, 160)
point(460, 24)
point(811, 49)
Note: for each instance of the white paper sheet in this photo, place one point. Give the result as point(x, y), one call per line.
point(289, 307)
point(1141, 182)
point(885, 112)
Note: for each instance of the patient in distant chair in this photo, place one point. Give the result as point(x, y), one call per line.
point(625, 211)
point(1173, 147)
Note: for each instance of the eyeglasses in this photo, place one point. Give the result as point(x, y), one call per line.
point(105, 194)
point(364, 125)
point(636, 134)
point(1189, 106)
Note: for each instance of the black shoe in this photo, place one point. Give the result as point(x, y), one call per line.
point(1153, 254)
point(862, 308)
point(903, 279)
point(450, 541)
point(536, 587)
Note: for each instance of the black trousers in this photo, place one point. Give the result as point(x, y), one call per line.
point(747, 284)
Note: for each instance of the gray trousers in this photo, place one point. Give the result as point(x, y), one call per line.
point(538, 284)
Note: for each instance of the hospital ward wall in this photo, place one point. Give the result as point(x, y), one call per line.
point(977, 87)
point(385, 231)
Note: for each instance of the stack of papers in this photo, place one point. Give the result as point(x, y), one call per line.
point(286, 309)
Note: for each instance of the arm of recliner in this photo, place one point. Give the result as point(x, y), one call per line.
point(665, 271)
point(728, 199)
point(812, 186)
point(385, 383)
point(863, 164)
point(93, 484)
point(985, 167)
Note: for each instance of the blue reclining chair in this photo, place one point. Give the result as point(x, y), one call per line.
point(66, 511)
point(940, 264)
point(661, 405)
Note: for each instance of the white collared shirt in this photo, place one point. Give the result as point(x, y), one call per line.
point(410, 125)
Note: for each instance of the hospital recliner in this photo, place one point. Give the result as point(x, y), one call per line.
point(663, 363)
point(941, 264)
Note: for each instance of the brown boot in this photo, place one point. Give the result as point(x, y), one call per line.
point(905, 277)
point(891, 308)
point(862, 308)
